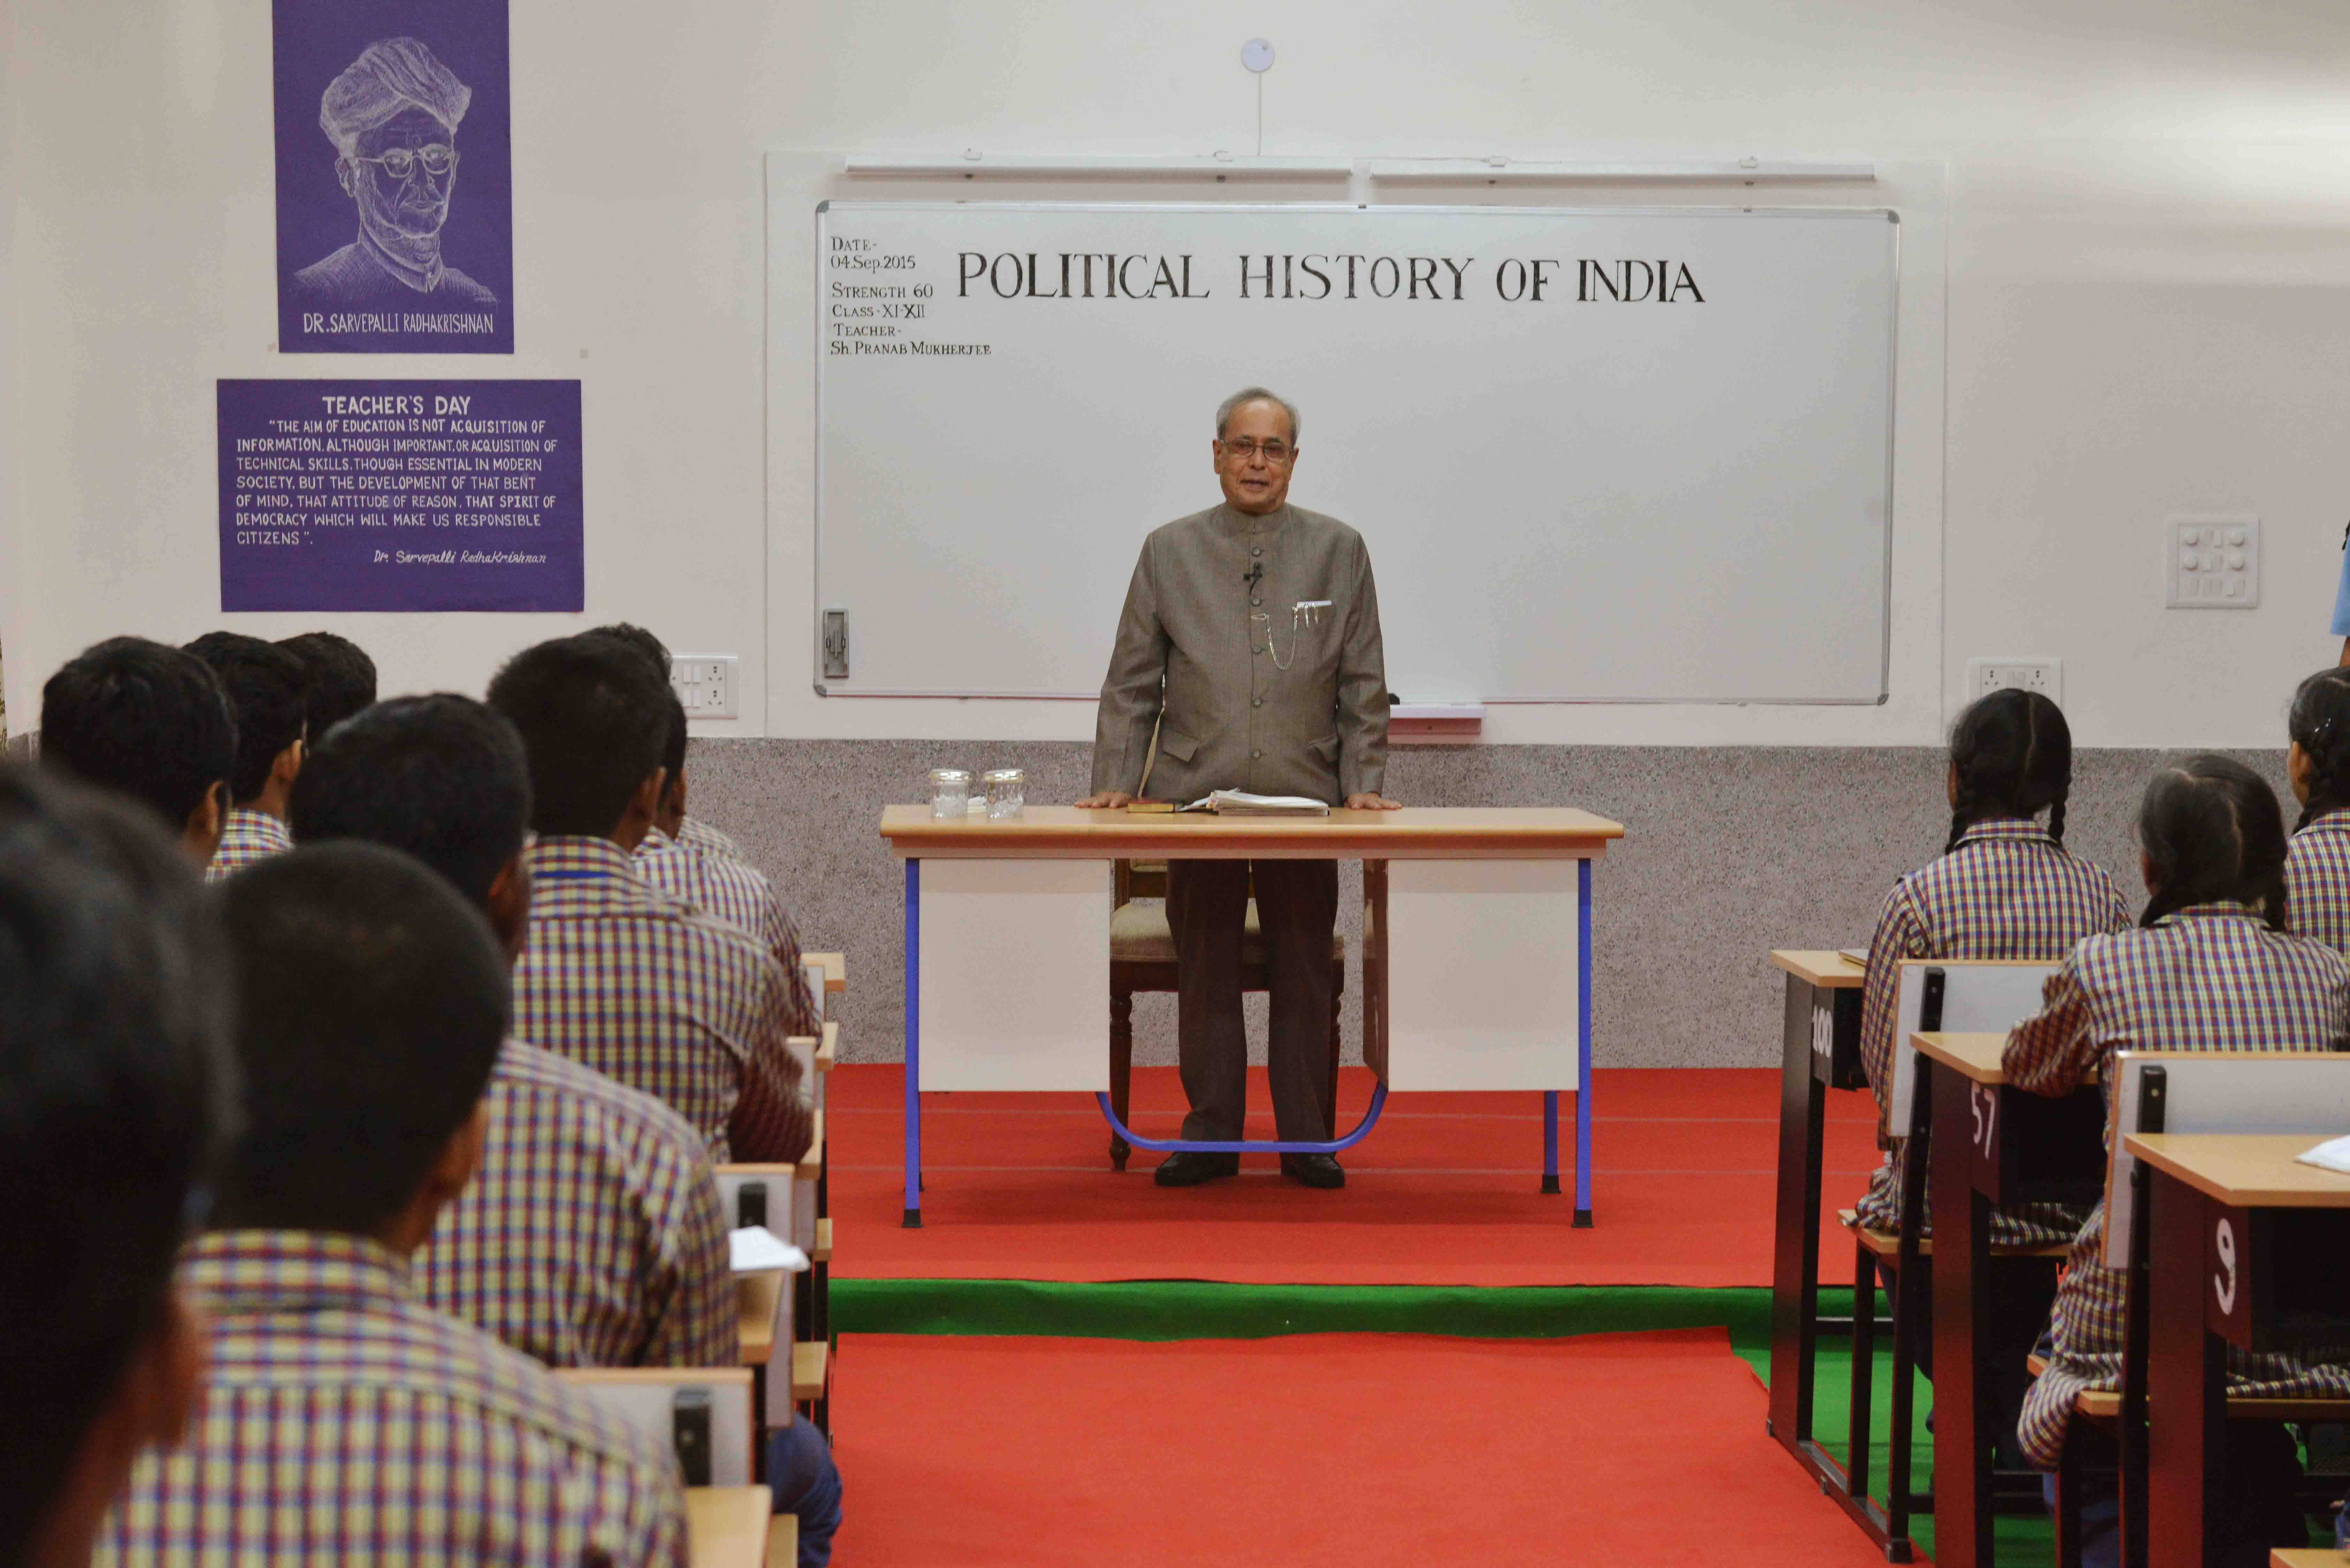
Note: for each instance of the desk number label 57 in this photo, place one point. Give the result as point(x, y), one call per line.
point(1985, 1103)
point(2223, 1278)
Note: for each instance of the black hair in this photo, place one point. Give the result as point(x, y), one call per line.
point(2319, 725)
point(443, 778)
point(269, 688)
point(151, 721)
point(2213, 832)
point(591, 719)
point(2012, 754)
point(372, 1001)
point(342, 678)
point(643, 642)
point(656, 653)
point(116, 1088)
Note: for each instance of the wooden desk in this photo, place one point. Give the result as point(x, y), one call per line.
point(757, 1298)
point(727, 1526)
point(1476, 947)
point(2247, 1246)
point(1991, 1143)
point(2308, 1557)
point(835, 970)
point(1819, 1050)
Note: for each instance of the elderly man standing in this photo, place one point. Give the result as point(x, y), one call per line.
point(1250, 643)
point(393, 117)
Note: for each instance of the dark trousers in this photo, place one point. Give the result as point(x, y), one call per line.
point(1298, 909)
point(2022, 1289)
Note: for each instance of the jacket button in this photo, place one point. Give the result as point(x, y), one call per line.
point(1259, 702)
point(1254, 600)
point(1256, 552)
point(1256, 754)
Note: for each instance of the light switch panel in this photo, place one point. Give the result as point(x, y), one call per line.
point(2212, 562)
point(705, 684)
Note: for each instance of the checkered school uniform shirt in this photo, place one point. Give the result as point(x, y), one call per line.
point(2006, 890)
point(623, 978)
point(592, 1234)
point(2317, 881)
point(696, 834)
point(2211, 977)
point(738, 894)
point(246, 837)
point(344, 1421)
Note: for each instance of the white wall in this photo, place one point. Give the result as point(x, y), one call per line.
point(2146, 265)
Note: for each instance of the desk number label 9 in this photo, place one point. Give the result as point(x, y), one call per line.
point(1986, 1112)
point(2223, 1278)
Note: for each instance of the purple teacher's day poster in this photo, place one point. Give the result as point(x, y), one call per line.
point(401, 496)
point(395, 180)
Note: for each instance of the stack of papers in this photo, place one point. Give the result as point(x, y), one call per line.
point(2334, 1156)
point(1240, 802)
point(755, 1250)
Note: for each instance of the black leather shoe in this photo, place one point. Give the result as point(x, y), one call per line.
point(1312, 1169)
point(1189, 1167)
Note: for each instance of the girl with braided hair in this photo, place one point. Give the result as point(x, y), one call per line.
point(2209, 967)
point(2317, 860)
point(2005, 887)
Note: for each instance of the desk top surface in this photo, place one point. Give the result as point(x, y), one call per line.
point(2308, 1557)
point(1414, 831)
point(2245, 1170)
point(726, 1526)
point(1975, 1056)
point(1823, 969)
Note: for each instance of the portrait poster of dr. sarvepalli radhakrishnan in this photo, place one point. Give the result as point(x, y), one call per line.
point(393, 117)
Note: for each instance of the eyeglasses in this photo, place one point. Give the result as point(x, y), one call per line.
point(400, 162)
point(1274, 452)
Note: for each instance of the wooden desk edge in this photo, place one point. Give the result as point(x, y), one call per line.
point(828, 1051)
point(1064, 833)
point(810, 1369)
point(1823, 969)
point(835, 967)
point(2174, 1155)
point(729, 1525)
point(1964, 1053)
point(810, 1166)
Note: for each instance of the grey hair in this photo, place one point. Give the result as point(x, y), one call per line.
point(1256, 395)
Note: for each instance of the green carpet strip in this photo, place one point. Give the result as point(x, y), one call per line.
point(1194, 1309)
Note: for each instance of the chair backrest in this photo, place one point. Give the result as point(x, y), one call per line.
point(703, 1413)
point(757, 1195)
point(2214, 1091)
point(1955, 996)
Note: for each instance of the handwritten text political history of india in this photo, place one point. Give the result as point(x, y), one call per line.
point(395, 192)
point(399, 496)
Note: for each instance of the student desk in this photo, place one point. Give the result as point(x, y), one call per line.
point(1992, 1143)
point(2308, 1557)
point(736, 1527)
point(2246, 1249)
point(1819, 1050)
point(1476, 951)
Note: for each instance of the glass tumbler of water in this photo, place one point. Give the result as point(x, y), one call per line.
point(1007, 790)
point(949, 794)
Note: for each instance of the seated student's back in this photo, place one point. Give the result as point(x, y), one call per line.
point(114, 1086)
point(593, 1235)
point(268, 686)
point(2317, 861)
point(2209, 967)
point(618, 974)
point(2005, 887)
point(346, 1420)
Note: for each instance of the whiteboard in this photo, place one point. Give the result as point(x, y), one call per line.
point(1625, 489)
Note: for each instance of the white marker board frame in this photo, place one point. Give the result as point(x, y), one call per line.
point(971, 581)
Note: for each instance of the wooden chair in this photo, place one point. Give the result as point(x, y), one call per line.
point(1142, 958)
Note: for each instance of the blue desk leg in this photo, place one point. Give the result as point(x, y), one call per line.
point(1583, 1047)
point(913, 1043)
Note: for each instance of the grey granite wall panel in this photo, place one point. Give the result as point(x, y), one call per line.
point(1730, 852)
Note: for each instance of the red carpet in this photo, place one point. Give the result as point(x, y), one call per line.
point(1443, 1192)
point(1348, 1450)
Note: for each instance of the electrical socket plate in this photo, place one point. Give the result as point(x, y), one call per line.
point(2046, 676)
point(2211, 563)
point(705, 684)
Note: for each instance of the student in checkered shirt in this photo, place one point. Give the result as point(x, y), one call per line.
point(2209, 967)
point(346, 1421)
point(269, 688)
point(618, 974)
point(2317, 861)
point(115, 1083)
point(2005, 887)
